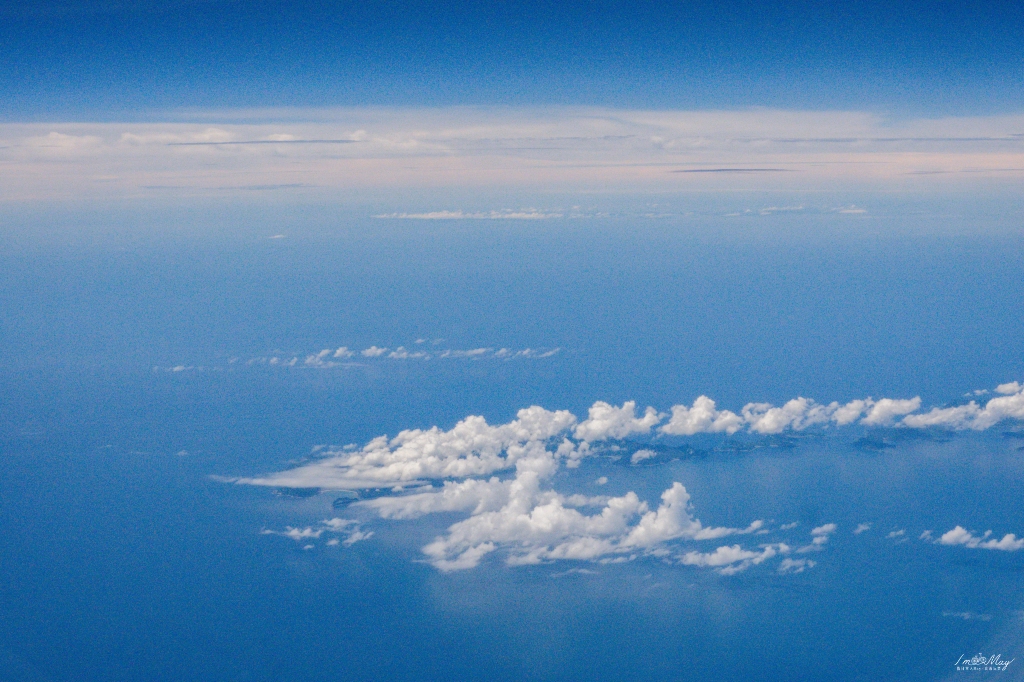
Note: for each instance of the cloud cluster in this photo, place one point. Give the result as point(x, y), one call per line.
point(801, 413)
point(522, 516)
point(475, 448)
point(796, 415)
point(606, 421)
point(1009, 405)
point(472, 448)
point(501, 478)
point(535, 524)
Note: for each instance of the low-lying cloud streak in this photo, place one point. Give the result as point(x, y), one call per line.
point(343, 356)
point(562, 148)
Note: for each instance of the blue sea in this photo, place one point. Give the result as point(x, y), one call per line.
point(146, 363)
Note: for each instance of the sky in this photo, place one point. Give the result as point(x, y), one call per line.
point(570, 341)
point(106, 60)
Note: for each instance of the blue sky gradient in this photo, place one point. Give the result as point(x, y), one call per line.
point(97, 60)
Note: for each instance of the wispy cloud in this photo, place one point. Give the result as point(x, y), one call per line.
point(343, 356)
point(273, 141)
point(795, 565)
point(347, 528)
point(734, 170)
point(819, 538)
point(528, 214)
point(967, 615)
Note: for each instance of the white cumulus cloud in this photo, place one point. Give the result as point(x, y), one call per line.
point(731, 559)
point(1010, 388)
point(797, 414)
point(607, 421)
point(535, 524)
point(801, 413)
point(701, 417)
point(819, 538)
point(1009, 405)
point(472, 448)
point(296, 534)
point(885, 411)
point(641, 455)
point(961, 536)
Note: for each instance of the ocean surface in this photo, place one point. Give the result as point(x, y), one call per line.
point(147, 363)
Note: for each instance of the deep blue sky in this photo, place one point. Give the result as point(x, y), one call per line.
point(110, 59)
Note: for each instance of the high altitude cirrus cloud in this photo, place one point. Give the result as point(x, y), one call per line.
point(323, 150)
